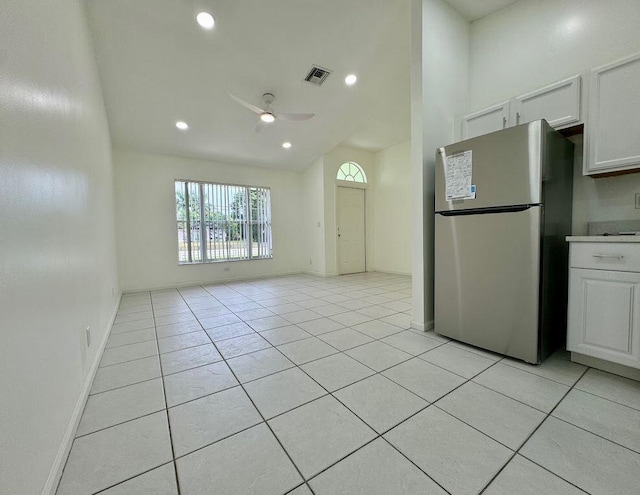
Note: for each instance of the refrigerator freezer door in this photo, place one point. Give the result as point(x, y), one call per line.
point(487, 280)
point(506, 168)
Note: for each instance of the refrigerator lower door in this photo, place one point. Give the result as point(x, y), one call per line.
point(487, 280)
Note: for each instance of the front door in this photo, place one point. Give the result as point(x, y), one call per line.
point(351, 231)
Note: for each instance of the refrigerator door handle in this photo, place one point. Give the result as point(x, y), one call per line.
point(486, 211)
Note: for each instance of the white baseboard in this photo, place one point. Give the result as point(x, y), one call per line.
point(422, 326)
point(392, 272)
point(59, 462)
point(130, 290)
point(609, 367)
point(315, 274)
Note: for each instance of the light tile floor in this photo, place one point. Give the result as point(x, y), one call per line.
point(305, 385)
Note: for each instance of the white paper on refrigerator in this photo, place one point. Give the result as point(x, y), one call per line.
point(458, 176)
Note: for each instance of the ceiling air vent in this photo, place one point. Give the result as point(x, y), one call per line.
point(317, 75)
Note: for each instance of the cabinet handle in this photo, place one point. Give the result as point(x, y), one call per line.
point(609, 256)
point(517, 118)
point(504, 122)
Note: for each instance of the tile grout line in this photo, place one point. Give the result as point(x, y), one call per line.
point(345, 386)
point(515, 453)
point(261, 415)
point(102, 490)
point(504, 361)
point(164, 393)
point(607, 399)
point(596, 434)
point(378, 435)
point(434, 403)
point(293, 365)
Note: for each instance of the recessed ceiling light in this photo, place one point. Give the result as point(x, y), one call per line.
point(286, 145)
point(183, 126)
point(267, 117)
point(351, 79)
point(205, 20)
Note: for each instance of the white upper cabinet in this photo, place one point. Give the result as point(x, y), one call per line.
point(485, 121)
point(613, 128)
point(558, 104)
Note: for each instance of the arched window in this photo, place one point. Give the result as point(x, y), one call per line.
point(351, 171)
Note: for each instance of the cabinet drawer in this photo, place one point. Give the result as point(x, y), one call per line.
point(624, 257)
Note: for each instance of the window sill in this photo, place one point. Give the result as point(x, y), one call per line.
point(213, 262)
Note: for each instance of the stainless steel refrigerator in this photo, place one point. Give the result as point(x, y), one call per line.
point(503, 209)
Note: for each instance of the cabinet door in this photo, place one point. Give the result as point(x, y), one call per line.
point(558, 104)
point(614, 117)
point(603, 315)
point(485, 121)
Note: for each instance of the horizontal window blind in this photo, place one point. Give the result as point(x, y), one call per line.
point(222, 222)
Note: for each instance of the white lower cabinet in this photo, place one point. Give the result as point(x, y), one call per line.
point(604, 315)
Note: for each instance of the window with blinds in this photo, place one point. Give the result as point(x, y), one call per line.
point(222, 222)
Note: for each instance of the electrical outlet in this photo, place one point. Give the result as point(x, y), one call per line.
point(638, 201)
point(319, 224)
point(88, 333)
point(226, 269)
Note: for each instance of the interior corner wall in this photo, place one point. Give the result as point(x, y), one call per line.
point(534, 43)
point(313, 197)
point(392, 206)
point(146, 220)
point(57, 252)
point(439, 92)
point(332, 161)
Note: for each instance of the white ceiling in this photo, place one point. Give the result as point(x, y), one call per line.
point(158, 66)
point(475, 9)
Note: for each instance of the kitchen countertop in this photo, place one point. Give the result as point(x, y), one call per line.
point(603, 238)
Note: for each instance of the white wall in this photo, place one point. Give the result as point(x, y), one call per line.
point(603, 199)
point(392, 206)
point(439, 83)
point(533, 43)
point(314, 234)
point(146, 225)
point(57, 252)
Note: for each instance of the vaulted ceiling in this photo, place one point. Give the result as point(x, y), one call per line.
point(157, 66)
point(475, 9)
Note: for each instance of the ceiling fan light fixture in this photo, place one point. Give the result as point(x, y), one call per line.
point(286, 145)
point(267, 117)
point(205, 20)
point(350, 80)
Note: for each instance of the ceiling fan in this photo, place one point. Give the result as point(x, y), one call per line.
point(268, 114)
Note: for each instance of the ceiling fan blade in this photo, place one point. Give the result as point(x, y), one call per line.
point(294, 116)
point(246, 104)
point(261, 126)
